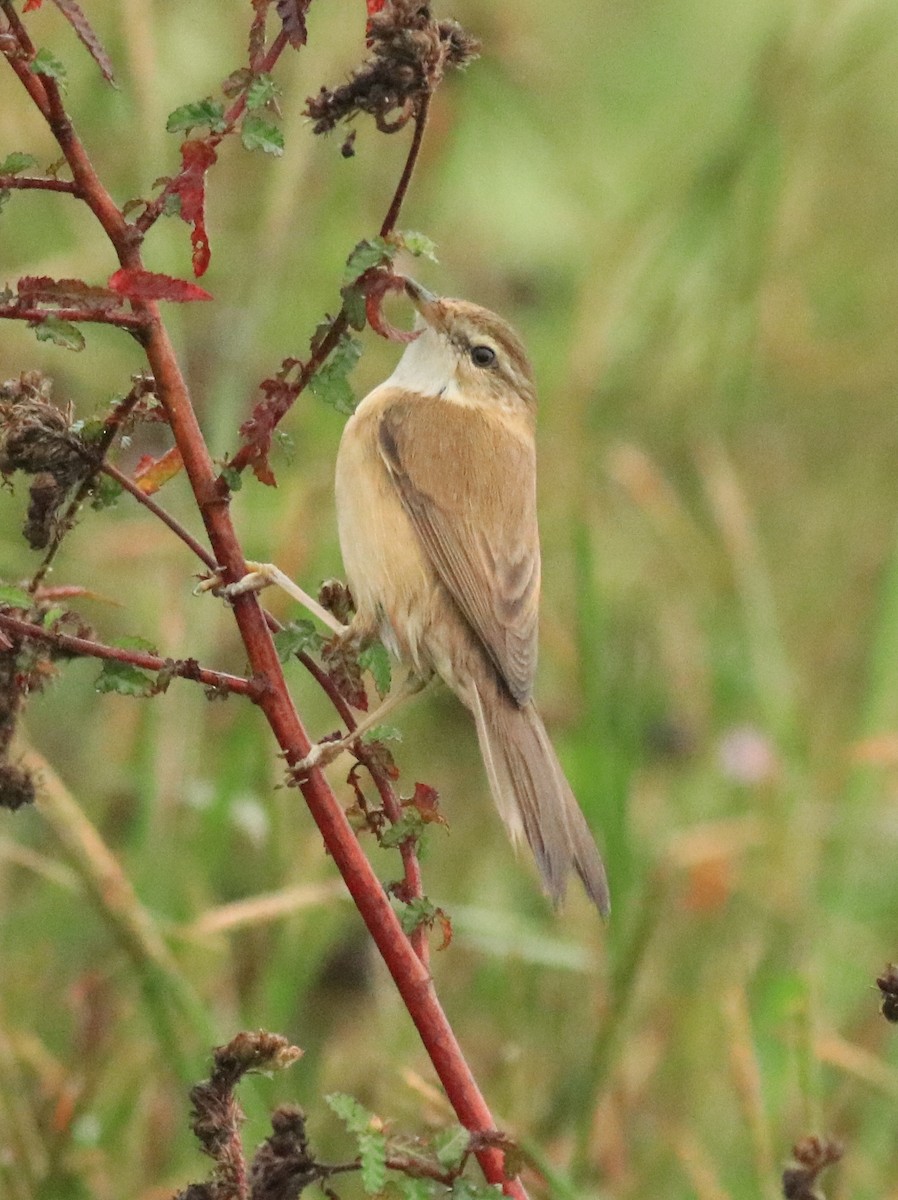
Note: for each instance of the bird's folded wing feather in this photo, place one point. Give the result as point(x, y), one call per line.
point(467, 480)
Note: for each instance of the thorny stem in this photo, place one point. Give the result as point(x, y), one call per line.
point(183, 668)
point(409, 974)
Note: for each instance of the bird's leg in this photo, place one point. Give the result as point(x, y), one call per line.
point(263, 575)
point(323, 753)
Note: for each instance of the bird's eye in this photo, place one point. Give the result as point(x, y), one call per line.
point(483, 356)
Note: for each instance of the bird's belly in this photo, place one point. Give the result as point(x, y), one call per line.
point(392, 582)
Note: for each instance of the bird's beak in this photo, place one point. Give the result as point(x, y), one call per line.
point(424, 301)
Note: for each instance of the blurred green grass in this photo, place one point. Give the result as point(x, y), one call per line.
point(688, 210)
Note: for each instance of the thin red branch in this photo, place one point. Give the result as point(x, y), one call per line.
point(183, 668)
point(38, 183)
point(128, 484)
point(389, 221)
point(14, 310)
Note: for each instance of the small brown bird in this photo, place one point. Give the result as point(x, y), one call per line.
point(436, 503)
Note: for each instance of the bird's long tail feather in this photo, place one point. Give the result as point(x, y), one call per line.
point(535, 799)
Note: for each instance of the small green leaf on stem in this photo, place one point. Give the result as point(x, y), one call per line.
point(416, 243)
point(354, 306)
point(16, 162)
point(104, 492)
point(354, 1116)
point(295, 638)
point(13, 597)
point(46, 63)
point(373, 1161)
point(330, 382)
point(452, 1147)
point(125, 679)
point(263, 90)
point(370, 252)
point(258, 134)
point(375, 658)
point(464, 1189)
point(61, 333)
point(208, 112)
point(232, 478)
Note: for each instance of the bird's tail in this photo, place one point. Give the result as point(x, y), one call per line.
point(534, 798)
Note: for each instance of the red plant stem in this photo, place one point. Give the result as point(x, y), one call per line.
point(183, 668)
point(38, 183)
point(409, 974)
point(16, 311)
point(389, 221)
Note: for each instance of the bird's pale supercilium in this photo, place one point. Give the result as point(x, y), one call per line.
point(436, 503)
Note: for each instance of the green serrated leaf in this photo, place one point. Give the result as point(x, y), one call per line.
point(104, 493)
point(261, 91)
point(330, 382)
point(373, 1161)
point(464, 1189)
point(287, 443)
point(409, 825)
point(354, 1116)
point(376, 659)
point(61, 333)
point(133, 641)
point(383, 733)
point(258, 134)
point(418, 244)
point(16, 162)
point(370, 252)
point(234, 479)
point(123, 678)
point(354, 306)
point(295, 638)
point(13, 597)
point(206, 112)
point(450, 1147)
point(413, 913)
point(51, 615)
point(46, 63)
point(416, 1189)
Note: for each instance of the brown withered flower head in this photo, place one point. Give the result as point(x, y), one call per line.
point(410, 53)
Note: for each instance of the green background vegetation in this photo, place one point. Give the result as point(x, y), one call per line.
point(688, 209)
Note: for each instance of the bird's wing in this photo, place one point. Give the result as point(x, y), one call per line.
point(468, 482)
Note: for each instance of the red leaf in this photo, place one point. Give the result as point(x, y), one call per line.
point(79, 22)
point(66, 292)
point(375, 288)
point(257, 31)
point(32, 5)
point(374, 6)
point(197, 156)
point(293, 15)
point(151, 473)
point(147, 285)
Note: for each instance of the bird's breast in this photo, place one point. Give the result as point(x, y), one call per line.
point(392, 581)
